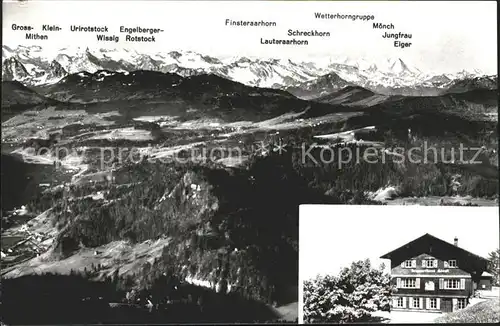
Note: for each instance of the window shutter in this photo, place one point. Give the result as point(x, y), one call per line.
point(446, 264)
point(398, 283)
point(438, 303)
point(403, 264)
point(462, 283)
point(428, 303)
point(441, 283)
point(404, 302)
point(413, 263)
point(394, 302)
point(435, 263)
point(423, 262)
point(454, 304)
point(417, 283)
point(410, 302)
point(421, 303)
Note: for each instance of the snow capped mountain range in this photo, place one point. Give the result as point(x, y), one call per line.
point(34, 65)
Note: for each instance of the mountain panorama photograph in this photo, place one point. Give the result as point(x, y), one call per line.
point(161, 183)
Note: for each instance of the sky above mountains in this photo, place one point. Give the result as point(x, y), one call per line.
point(446, 36)
point(331, 237)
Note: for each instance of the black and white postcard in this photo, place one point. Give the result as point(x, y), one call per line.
point(155, 153)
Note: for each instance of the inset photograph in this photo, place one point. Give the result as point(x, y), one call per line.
point(398, 264)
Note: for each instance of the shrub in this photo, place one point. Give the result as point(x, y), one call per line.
point(349, 297)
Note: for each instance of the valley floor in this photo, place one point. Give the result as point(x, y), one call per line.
point(435, 201)
point(288, 312)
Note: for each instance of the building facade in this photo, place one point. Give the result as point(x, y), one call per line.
point(430, 274)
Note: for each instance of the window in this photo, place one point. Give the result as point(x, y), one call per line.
point(415, 303)
point(452, 263)
point(433, 303)
point(399, 303)
point(408, 283)
point(429, 286)
point(461, 303)
point(412, 263)
point(429, 263)
point(452, 284)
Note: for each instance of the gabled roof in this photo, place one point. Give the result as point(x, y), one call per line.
point(486, 274)
point(428, 238)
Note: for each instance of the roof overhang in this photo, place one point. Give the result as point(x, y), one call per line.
point(428, 238)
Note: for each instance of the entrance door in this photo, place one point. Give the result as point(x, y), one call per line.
point(446, 305)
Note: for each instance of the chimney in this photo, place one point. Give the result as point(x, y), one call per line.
point(455, 241)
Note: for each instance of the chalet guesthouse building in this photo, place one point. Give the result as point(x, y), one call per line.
point(433, 275)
